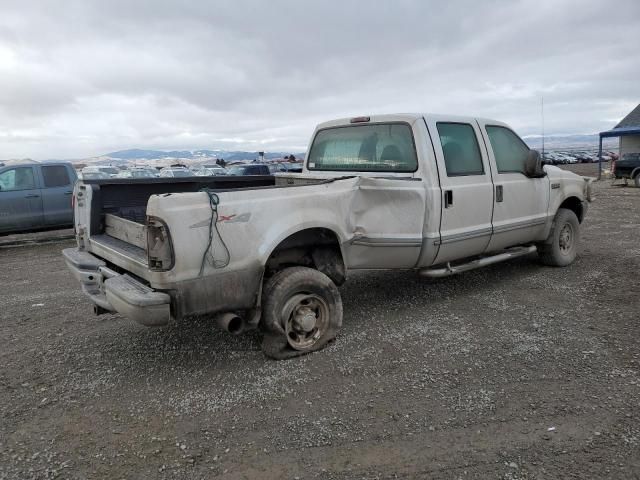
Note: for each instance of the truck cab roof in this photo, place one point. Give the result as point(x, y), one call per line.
point(401, 117)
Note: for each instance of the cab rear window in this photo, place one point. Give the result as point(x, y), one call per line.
point(380, 147)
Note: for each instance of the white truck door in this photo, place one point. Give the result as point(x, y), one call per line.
point(465, 180)
point(521, 203)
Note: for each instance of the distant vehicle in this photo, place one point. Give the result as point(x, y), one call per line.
point(176, 172)
point(93, 176)
point(628, 167)
point(138, 172)
point(109, 170)
point(36, 195)
point(249, 169)
point(211, 171)
point(276, 168)
point(293, 167)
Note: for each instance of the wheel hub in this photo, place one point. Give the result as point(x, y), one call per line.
point(565, 238)
point(304, 320)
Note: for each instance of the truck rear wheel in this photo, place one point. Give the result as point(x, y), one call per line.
point(560, 248)
point(636, 180)
point(301, 312)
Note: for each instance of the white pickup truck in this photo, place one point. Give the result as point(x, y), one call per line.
point(436, 194)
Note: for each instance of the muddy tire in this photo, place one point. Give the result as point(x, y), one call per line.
point(301, 312)
point(636, 180)
point(561, 247)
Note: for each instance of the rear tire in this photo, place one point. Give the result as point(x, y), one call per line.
point(636, 180)
point(301, 312)
point(561, 247)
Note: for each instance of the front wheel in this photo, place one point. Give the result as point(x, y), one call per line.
point(636, 180)
point(301, 312)
point(561, 247)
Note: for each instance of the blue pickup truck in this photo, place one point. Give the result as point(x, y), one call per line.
point(36, 196)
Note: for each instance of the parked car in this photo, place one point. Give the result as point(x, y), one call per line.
point(216, 169)
point(36, 195)
point(211, 171)
point(109, 170)
point(176, 172)
point(628, 167)
point(436, 194)
point(249, 169)
point(138, 172)
point(93, 175)
point(276, 168)
point(293, 167)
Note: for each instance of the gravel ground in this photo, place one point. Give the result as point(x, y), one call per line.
point(37, 237)
point(515, 371)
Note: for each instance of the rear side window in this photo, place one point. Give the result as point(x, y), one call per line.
point(55, 176)
point(460, 147)
point(387, 147)
point(508, 149)
point(20, 178)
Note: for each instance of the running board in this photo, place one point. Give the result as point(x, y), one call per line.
point(481, 262)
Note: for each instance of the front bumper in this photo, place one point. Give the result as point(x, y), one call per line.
point(116, 292)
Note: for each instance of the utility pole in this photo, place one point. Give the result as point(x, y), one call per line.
point(542, 114)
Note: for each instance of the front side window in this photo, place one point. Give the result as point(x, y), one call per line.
point(460, 148)
point(374, 147)
point(55, 176)
point(20, 178)
point(509, 150)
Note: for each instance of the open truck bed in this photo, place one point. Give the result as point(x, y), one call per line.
point(128, 198)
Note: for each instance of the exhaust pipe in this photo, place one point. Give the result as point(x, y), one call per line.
point(230, 322)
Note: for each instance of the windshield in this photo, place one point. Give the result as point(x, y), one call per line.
point(109, 170)
point(373, 147)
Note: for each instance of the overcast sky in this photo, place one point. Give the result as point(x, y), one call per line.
point(83, 78)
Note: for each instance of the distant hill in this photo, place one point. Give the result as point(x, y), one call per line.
point(139, 154)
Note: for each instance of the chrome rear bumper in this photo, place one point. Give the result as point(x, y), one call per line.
point(116, 292)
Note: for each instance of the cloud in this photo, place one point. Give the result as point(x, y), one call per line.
point(110, 75)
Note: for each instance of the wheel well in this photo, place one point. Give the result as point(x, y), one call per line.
point(575, 205)
point(317, 248)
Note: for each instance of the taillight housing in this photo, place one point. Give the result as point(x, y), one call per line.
point(159, 247)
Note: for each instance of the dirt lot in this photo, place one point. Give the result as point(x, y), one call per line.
point(514, 371)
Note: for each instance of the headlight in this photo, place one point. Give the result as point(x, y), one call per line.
point(159, 248)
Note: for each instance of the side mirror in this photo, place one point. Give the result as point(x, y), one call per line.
point(533, 165)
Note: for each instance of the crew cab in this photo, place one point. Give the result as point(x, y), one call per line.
point(436, 194)
point(36, 195)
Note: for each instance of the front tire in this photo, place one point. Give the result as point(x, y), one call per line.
point(636, 180)
point(301, 312)
point(561, 247)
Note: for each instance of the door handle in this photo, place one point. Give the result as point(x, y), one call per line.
point(32, 195)
point(448, 198)
point(68, 193)
point(499, 193)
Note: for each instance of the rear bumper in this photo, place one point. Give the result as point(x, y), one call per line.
point(118, 292)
